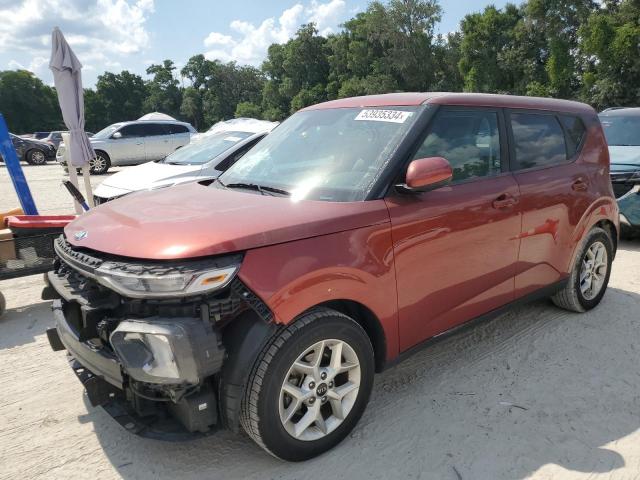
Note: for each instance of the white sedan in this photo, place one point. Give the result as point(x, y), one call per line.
point(206, 157)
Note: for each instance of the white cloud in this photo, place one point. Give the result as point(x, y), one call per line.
point(327, 16)
point(249, 43)
point(216, 38)
point(97, 30)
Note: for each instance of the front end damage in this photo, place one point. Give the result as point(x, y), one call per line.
point(153, 363)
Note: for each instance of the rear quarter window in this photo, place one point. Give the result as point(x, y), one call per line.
point(576, 133)
point(539, 140)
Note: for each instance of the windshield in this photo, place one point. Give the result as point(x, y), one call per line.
point(621, 130)
point(332, 155)
point(106, 132)
point(206, 148)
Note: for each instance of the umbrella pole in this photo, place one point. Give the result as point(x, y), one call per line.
point(86, 176)
point(73, 174)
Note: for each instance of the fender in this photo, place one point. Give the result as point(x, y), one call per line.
point(291, 278)
point(603, 209)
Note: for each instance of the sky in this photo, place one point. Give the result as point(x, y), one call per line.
point(116, 35)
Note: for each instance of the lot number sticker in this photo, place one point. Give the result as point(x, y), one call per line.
point(393, 116)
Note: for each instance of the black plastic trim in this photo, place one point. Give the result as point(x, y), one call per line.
point(537, 295)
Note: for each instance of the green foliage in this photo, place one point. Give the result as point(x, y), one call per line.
point(581, 49)
point(249, 110)
point(27, 103)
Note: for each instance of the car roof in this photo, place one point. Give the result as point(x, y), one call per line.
point(622, 112)
point(462, 99)
point(129, 122)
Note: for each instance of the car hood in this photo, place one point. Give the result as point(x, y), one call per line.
point(194, 220)
point(623, 157)
point(150, 175)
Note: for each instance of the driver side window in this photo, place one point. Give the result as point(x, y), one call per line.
point(469, 140)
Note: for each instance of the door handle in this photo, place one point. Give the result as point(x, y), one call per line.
point(580, 185)
point(505, 200)
point(139, 143)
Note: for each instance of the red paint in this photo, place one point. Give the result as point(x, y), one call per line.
point(193, 221)
point(428, 171)
point(39, 221)
point(421, 263)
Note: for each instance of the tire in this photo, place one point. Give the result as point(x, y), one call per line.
point(266, 401)
point(573, 296)
point(100, 164)
point(36, 156)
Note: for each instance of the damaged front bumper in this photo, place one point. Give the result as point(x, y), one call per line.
point(178, 407)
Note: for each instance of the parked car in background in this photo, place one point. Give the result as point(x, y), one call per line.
point(353, 233)
point(622, 129)
point(205, 157)
point(55, 138)
point(40, 135)
point(32, 151)
point(132, 143)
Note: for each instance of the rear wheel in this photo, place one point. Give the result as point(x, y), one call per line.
point(36, 157)
point(310, 386)
point(589, 275)
point(100, 164)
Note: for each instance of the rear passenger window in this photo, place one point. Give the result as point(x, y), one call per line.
point(539, 140)
point(173, 129)
point(154, 129)
point(468, 140)
point(575, 130)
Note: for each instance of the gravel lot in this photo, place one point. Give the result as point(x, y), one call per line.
point(536, 393)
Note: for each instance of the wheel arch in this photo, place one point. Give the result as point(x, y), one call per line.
point(103, 152)
point(369, 323)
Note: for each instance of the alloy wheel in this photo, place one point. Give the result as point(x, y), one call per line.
point(319, 390)
point(98, 163)
point(593, 271)
point(38, 157)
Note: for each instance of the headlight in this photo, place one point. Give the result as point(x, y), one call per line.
point(165, 284)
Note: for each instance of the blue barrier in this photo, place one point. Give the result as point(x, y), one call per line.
point(15, 170)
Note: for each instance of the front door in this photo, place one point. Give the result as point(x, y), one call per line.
point(456, 247)
point(128, 149)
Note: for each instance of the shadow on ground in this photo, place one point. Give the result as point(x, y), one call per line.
point(502, 399)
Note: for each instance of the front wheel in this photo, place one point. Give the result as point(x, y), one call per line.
point(310, 386)
point(590, 273)
point(100, 164)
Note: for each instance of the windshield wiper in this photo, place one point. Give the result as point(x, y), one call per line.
point(259, 188)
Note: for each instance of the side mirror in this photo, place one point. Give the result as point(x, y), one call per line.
point(116, 135)
point(425, 174)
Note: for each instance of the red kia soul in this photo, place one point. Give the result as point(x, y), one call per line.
point(356, 231)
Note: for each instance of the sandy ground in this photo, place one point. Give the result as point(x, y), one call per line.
point(536, 393)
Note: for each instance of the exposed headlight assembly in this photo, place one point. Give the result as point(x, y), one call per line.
point(167, 351)
point(165, 284)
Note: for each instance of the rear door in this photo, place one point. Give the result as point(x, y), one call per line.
point(456, 247)
point(158, 143)
point(554, 192)
point(180, 135)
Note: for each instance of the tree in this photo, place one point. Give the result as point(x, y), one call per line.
point(191, 107)
point(164, 94)
point(122, 96)
point(248, 110)
point(28, 104)
point(610, 41)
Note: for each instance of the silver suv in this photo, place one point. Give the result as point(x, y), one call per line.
point(132, 143)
